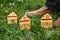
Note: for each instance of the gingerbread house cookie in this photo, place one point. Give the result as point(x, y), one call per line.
point(46, 21)
point(12, 17)
point(24, 23)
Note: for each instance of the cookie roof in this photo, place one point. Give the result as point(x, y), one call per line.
point(12, 14)
point(24, 18)
point(46, 17)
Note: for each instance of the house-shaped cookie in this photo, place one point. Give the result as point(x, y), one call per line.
point(46, 21)
point(12, 17)
point(24, 23)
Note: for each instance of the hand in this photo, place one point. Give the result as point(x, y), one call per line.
point(57, 22)
point(38, 13)
point(31, 13)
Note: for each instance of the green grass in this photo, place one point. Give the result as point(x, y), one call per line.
point(13, 32)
